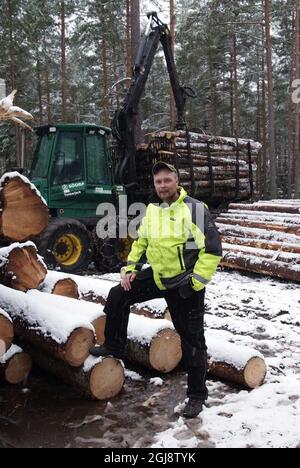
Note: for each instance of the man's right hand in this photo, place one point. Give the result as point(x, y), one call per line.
point(127, 281)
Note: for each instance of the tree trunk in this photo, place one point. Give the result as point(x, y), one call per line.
point(135, 44)
point(297, 106)
point(48, 92)
point(105, 83)
point(271, 123)
point(173, 117)
point(63, 63)
point(237, 117)
point(39, 86)
point(213, 95)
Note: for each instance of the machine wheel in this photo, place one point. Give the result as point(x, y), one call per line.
point(66, 243)
point(111, 254)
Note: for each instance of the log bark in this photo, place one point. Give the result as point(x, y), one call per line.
point(261, 244)
point(99, 379)
point(6, 332)
point(261, 234)
point(272, 208)
point(21, 267)
point(15, 366)
point(59, 331)
point(252, 375)
point(284, 257)
point(24, 214)
point(261, 225)
point(250, 263)
point(292, 220)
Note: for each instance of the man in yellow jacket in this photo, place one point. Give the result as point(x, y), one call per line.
point(183, 249)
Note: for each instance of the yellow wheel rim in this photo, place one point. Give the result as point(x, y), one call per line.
point(123, 248)
point(67, 250)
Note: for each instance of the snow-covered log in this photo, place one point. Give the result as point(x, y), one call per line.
point(153, 343)
point(21, 267)
point(285, 207)
point(91, 312)
point(271, 226)
point(252, 263)
point(15, 366)
point(262, 244)
point(24, 213)
point(6, 332)
point(61, 331)
point(96, 291)
point(236, 364)
point(99, 379)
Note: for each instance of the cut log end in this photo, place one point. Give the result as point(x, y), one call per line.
point(28, 272)
point(255, 372)
point(67, 288)
point(18, 368)
point(165, 351)
point(107, 379)
point(24, 215)
point(99, 325)
point(6, 334)
point(78, 346)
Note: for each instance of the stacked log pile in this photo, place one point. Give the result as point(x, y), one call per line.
point(263, 237)
point(155, 344)
point(58, 334)
point(210, 167)
point(23, 215)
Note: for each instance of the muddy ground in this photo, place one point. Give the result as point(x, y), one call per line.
point(47, 413)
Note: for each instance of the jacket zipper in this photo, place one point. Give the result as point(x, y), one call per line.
point(180, 258)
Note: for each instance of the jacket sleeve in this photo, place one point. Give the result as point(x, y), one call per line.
point(210, 255)
point(138, 249)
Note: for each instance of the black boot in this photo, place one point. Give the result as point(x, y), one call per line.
point(102, 351)
point(193, 408)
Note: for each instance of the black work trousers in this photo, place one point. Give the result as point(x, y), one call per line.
point(188, 319)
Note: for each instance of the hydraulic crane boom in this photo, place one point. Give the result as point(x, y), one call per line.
point(124, 122)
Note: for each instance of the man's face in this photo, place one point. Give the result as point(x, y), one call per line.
point(166, 184)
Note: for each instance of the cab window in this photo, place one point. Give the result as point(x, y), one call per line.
point(97, 164)
point(68, 165)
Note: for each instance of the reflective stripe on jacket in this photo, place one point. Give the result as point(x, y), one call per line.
point(181, 243)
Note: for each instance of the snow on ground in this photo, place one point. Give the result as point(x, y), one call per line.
point(262, 313)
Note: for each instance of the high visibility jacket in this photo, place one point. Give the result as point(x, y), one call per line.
point(181, 243)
